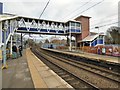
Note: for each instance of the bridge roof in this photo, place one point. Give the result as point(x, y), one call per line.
point(7, 16)
point(10, 16)
point(38, 19)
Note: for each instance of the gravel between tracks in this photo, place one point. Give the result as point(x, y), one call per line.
point(92, 78)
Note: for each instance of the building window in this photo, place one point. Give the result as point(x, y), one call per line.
point(72, 24)
point(100, 37)
point(77, 24)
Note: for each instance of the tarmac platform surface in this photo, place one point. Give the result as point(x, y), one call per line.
point(17, 75)
point(30, 72)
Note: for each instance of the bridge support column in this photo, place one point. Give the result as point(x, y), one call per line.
point(67, 40)
point(75, 42)
point(5, 28)
point(0, 41)
point(70, 44)
point(70, 35)
point(4, 52)
point(90, 44)
point(11, 45)
point(0, 34)
point(21, 40)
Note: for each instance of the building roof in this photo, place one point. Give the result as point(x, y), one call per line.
point(73, 21)
point(6, 17)
point(82, 16)
point(93, 33)
point(91, 37)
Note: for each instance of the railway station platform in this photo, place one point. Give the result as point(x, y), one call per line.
point(29, 72)
point(17, 75)
point(105, 58)
point(102, 58)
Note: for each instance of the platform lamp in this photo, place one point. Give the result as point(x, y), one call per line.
point(4, 52)
point(98, 34)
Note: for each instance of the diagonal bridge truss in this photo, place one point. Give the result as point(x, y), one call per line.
point(36, 26)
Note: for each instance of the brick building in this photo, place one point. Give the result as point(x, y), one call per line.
point(87, 38)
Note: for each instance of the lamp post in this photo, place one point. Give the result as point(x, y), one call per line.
point(98, 34)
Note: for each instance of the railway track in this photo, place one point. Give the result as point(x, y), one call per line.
point(90, 68)
point(71, 78)
point(100, 63)
point(78, 65)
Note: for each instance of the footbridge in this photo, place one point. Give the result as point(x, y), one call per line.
point(9, 24)
point(20, 24)
point(29, 25)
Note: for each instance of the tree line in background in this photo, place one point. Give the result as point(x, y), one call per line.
point(113, 35)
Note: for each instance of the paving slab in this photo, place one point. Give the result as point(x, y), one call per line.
point(45, 73)
point(40, 69)
point(37, 80)
point(52, 82)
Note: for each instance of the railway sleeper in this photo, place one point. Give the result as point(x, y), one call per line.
point(58, 70)
point(76, 82)
point(69, 79)
point(62, 73)
point(65, 76)
point(78, 86)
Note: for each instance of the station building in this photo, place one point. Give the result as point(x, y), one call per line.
point(87, 38)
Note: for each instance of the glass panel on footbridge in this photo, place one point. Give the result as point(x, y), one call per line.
point(74, 27)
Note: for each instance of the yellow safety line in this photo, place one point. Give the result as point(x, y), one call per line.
point(5, 67)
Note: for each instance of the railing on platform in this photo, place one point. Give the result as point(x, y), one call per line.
point(11, 27)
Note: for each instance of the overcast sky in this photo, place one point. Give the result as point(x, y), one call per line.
point(63, 10)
